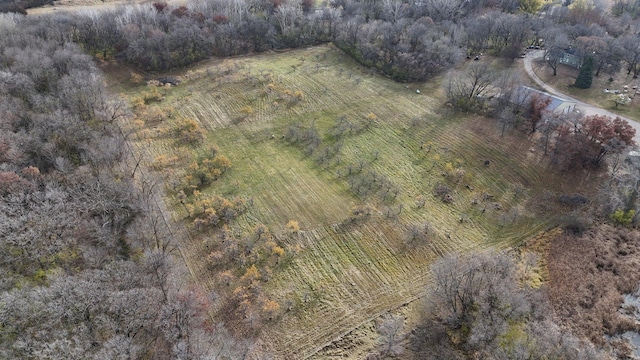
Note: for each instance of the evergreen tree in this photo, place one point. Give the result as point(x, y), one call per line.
point(585, 77)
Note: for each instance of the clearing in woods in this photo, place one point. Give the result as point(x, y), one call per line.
point(398, 145)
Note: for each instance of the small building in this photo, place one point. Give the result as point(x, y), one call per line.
point(570, 59)
point(558, 105)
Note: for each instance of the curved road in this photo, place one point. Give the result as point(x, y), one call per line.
point(583, 107)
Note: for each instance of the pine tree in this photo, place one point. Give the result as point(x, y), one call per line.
point(585, 77)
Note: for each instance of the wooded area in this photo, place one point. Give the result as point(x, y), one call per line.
point(86, 257)
point(407, 41)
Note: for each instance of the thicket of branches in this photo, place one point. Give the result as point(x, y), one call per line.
point(482, 306)
point(86, 263)
point(604, 258)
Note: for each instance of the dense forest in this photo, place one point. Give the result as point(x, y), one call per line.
point(88, 262)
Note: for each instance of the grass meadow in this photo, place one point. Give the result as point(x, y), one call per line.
point(379, 145)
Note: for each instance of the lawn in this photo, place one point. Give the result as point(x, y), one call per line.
point(398, 144)
point(595, 95)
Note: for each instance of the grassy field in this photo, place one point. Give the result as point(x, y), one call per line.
point(346, 272)
point(88, 5)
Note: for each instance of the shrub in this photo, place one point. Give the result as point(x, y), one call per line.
point(136, 78)
point(213, 211)
point(575, 223)
point(293, 226)
point(443, 193)
point(162, 161)
point(31, 172)
point(153, 95)
point(246, 111)
point(188, 131)
point(574, 200)
point(359, 213)
point(10, 182)
point(203, 172)
point(270, 308)
point(621, 217)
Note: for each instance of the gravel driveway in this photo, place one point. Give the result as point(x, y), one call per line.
point(584, 108)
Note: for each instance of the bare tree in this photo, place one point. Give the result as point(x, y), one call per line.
point(395, 9)
point(478, 294)
point(631, 53)
point(556, 42)
point(83, 251)
point(474, 300)
point(471, 89)
point(417, 235)
point(391, 336)
point(440, 10)
point(287, 15)
point(550, 123)
point(604, 51)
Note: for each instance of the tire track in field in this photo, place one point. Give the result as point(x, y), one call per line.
point(204, 108)
point(317, 94)
point(387, 282)
point(414, 288)
point(286, 187)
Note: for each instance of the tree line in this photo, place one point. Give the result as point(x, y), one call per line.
point(408, 41)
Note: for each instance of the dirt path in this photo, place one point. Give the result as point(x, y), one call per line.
point(581, 106)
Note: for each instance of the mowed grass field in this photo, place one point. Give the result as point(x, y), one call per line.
point(346, 272)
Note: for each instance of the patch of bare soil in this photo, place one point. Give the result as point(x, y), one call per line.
point(589, 274)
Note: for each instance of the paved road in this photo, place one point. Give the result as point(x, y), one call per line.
point(581, 106)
